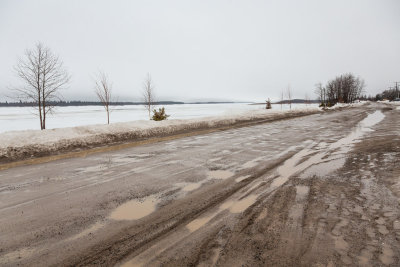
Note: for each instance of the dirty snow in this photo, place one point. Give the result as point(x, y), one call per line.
point(342, 105)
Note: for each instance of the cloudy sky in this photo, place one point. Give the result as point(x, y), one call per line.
point(208, 49)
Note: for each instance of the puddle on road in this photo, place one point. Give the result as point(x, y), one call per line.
point(254, 185)
point(87, 231)
point(241, 178)
point(191, 187)
point(135, 209)
point(324, 168)
point(95, 168)
point(252, 163)
point(220, 174)
point(234, 206)
point(361, 128)
point(292, 166)
point(241, 205)
point(249, 164)
point(198, 223)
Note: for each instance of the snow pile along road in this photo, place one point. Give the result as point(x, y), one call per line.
point(345, 105)
point(19, 145)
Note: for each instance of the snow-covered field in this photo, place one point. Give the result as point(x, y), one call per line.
point(24, 118)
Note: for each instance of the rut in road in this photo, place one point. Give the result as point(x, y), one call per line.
point(258, 193)
point(263, 198)
point(168, 219)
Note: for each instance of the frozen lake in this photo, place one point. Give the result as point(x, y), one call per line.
point(24, 118)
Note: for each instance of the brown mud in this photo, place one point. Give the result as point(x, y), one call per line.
point(301, 192)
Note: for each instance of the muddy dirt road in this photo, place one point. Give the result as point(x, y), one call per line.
point(320, 190)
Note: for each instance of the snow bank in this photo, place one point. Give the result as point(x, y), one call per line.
point(395, 104)
point(343, 105)
point(19, 145)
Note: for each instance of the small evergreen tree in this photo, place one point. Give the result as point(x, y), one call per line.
point(159, 115)
point(268, 106)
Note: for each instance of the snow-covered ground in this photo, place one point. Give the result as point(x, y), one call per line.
point(24, 118)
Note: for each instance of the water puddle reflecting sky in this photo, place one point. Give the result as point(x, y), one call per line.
point(326, 160)
point(135, 209)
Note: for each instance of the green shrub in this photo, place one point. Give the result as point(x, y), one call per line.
point(159, 115)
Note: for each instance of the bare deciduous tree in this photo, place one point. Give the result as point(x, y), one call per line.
point(289, 96)
point(103, 88)
point(282, 98)
point(390, 94)
point(307, 99)
point(345, 88)
point(321, 93)
point(44, 75)
point(148, 94)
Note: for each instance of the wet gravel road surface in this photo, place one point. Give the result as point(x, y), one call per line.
point(319, 190)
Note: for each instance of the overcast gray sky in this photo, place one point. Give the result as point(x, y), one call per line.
point(208, 49)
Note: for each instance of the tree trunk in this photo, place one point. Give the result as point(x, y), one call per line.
point(44, 112)
point(108, 116)
point(40, 115)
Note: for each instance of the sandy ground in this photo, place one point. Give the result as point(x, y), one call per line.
point(319, 190)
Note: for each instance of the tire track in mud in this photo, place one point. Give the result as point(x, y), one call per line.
point(164, 221)
point(276, 183)
point(121, 175)
point(49, 231)
point(295, 164)
point(338, 226)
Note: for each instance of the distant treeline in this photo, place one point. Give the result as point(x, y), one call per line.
point(391, 94)
point(297, 101)
point(345, 88)
point(94, 103)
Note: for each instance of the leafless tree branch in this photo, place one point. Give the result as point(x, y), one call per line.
point(43, 75)
point(289, 95)
point(103, 90)
point(148, 94)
